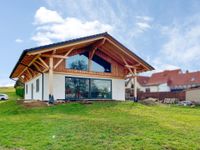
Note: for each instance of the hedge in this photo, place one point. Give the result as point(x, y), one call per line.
point(20, 91)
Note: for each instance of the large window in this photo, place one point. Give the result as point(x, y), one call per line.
point(76, 88)
point(84, 88)
point(78, 62)
point(100, 65)
point(100, 89)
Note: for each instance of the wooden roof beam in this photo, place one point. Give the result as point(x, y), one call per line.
point(39, 51)
point(132, 66)
point(95, 46)
point(37, 67)
point(65, 56)
point(36, 57)
point(43, 62)
point(53, 56)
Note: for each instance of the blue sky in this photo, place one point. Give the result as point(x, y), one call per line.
point(165, 33)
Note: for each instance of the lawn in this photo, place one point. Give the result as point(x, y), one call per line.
point(101, 125)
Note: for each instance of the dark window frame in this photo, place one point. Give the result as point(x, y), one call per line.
point(111, 92)
point(95, 59)
point(26, 88)
point(86, 54)
point(37, 85)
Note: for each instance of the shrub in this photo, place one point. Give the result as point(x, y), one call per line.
point(20, 91)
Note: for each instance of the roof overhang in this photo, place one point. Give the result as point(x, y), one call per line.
point(112, 47)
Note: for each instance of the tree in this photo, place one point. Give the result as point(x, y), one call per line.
point(78, 65)
point(18, 83)
point(19, 88)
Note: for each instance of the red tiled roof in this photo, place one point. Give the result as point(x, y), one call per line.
point(185, 79)
point(143, 80)
point(163, 77)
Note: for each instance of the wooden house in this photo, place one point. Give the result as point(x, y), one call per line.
point(93, 67)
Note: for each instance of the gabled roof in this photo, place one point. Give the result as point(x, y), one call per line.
point(185, 79)
point(143, 80)
point(84, 41)
point(163, 77)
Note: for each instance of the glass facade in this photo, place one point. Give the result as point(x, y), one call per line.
point(100, 89)
point(84, 88)
point(100, 65)
point(76, 88)
point(80, 62)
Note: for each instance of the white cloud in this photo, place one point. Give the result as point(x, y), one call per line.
point(143, 25)
point(18, 40)
point(43, 16)
point(144, 18)
point(69, 27)
point(183, 44)
point(143, 22)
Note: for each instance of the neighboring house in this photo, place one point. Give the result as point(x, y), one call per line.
point(92, 67)
point(166, 81)
point(185, 81)
point(141, 83)
point(159, 82)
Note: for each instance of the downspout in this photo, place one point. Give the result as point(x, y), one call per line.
point(42, 86)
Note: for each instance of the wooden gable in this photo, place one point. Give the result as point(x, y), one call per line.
point(123, 61)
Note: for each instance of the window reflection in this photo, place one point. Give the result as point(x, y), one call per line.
point(76, 88)
point(84, 88)
point(78, 62)
point(100, 89)
point(100, 65)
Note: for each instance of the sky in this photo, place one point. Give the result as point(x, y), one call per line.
point(165, 33)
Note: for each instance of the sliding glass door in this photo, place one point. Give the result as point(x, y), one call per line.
point(100, 89)
point(84, 88)
point(76, 88)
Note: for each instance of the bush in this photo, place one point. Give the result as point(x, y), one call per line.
point(20, 91)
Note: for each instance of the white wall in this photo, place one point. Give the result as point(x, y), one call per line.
point(153, 88)
point(36, 95)
point(58, 86)
point(118, 89)
point(163, 88)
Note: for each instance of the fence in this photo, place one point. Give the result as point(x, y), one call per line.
point(181, 95)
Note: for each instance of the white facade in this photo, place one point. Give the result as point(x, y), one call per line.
point(30, 89)
point(153, 88)
point(118, 87)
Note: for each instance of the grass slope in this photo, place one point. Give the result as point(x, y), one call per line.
point(102, 125)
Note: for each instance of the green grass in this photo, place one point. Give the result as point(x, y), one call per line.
point(10, 91)
point(108, 125)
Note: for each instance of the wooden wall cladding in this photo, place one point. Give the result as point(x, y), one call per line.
point(117, 70)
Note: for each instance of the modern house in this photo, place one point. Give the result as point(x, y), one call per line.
point(92, 67)
point(166, 81)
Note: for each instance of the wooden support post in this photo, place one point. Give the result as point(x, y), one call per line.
point(91, 54)
point(50, 77)
point(135, 85)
